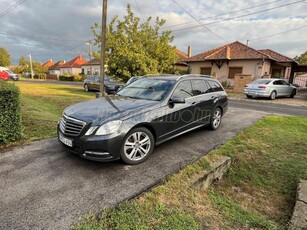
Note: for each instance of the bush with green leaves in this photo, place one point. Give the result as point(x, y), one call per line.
point(66, 78)
point(10, 113)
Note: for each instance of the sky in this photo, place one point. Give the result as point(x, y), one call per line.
point(59, 29)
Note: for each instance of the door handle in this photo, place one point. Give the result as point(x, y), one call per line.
point(193, 103)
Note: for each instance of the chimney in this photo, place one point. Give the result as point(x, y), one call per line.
point(80, 56)
point(189, 51)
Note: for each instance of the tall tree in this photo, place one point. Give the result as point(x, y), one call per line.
point(5, 58)
point(23, 61)
point(136, 48)
point(302, 59)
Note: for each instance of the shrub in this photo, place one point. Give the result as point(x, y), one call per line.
point(78, 77)
point(10, 114)
point(40, 76)
point(66, 78)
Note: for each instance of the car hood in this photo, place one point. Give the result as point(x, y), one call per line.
point(102, 110)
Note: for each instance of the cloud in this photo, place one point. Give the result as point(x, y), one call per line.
point(59, 29)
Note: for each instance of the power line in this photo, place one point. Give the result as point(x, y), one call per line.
point(199, 21)
point(219, 15)
point(41, 38)
point(240, 16)
point(273, 35)
point(137, 6)
point(11, 8)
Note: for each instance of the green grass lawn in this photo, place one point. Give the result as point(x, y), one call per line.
point(43, 104)
point(258, 192)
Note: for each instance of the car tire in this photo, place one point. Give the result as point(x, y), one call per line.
point(293, 93)
point(273, 95)
point(137, 146)
point(249, 96)
point(216, 119)
point(86, 88)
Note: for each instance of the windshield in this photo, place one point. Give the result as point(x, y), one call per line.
point(9, 71)
point(147, 89)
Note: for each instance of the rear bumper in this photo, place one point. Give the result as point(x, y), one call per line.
point(256, 93)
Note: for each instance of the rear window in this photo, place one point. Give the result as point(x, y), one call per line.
point(262, 82)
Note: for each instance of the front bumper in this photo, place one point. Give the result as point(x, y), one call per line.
point(97, 148)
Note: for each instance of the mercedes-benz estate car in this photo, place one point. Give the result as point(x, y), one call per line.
point(144, 114)
point(270, 88)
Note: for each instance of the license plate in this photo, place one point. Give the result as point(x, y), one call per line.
point(65, 140)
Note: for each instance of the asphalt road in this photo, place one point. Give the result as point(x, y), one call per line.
point(44, 187)
point(269, 107)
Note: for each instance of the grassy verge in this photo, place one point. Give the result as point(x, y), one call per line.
point(258, 192)
point(43, 104)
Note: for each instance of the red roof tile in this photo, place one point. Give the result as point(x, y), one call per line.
point(95, 61)
point(56, 66)
point(48, 63)
point(235, 50)
point(181, 55)
point(276, 56)
point(74, 63)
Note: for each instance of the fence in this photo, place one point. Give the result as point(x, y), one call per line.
point(301, 83)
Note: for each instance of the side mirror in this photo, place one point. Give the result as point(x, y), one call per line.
point(177, 100)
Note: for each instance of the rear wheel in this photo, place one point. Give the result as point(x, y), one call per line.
point(273, 95)
point(137, 146)
point(293, 93)
point(216, 119)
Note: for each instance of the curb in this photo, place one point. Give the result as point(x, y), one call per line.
point(299, 218)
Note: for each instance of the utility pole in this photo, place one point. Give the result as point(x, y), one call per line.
point(90, 54)
point(30, 57)
point(103, 46)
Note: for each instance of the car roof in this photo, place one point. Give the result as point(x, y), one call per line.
point(179, 77)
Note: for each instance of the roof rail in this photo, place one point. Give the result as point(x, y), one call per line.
point(196, 75)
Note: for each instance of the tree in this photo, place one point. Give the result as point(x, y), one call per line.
point(23, 61)
point(135, 48)
point(5, 58)
point(302, 59)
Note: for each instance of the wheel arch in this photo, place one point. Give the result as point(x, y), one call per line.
point(147, 126)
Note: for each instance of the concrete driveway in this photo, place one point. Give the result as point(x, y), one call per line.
point(44, 187)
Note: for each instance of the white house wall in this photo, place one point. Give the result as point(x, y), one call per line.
point(254, 67)
point(73, 71)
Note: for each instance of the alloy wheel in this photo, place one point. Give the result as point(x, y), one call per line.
point(216, 120)
point(137, 146)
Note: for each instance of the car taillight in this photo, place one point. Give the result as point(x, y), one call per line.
point(262, 86)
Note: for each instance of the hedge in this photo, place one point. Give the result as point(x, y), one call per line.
point(10, 113)
point(66, 78)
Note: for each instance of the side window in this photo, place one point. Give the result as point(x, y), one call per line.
point(183, 90)
point(199, 87)
point(278, 82)
point(284, 82)
point(215, 86)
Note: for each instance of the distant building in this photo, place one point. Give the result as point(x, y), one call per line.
point(54, 70)
point(48, 63)
point(73, 66)
point(91, 67)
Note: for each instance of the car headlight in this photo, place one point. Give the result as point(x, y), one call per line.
point(91, 130)
point(108, 128)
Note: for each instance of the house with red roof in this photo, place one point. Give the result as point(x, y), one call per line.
point(54, 70)
point(92, 67)
point(181, 64)
point(48, 63)
point(73, 66)
point(226, 61)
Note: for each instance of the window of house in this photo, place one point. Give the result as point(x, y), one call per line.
point(233, 71)
point(205, 70)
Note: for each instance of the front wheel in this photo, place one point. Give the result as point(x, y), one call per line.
point(216, 119)
point(137, 146)
point(293, 93)
point(86, 88)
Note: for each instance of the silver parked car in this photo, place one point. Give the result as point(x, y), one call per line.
point(269, 87)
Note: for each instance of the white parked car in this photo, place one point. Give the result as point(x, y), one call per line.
point(269, 87)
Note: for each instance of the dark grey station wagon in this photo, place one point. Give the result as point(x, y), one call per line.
point(145, 113)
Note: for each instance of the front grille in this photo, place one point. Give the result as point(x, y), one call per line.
point(70, 126)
